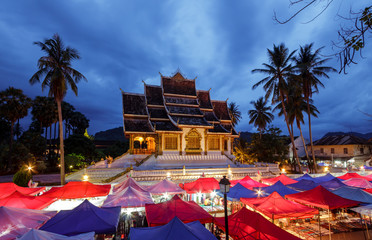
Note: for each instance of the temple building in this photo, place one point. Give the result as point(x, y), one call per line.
point(175, 118)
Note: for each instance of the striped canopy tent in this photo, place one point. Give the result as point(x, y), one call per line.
point(282, 177)
point(275, 207)
point(19, 200)
point(14, 222)
point(321, 198)
point(9, 188)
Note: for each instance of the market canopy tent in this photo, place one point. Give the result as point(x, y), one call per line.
point(278, 187)
point(9, 188)
point(201, 185)
point(303, 185)
point(358, 182)
point(322, 198)
point(332, 184)
point(73, 190)
point(347, 176)
point(162, 213)
point(282, 177)
point(19, 200)
point(239, 191)
point(365, 209)
point(129, 197)
point(248, 225)
point(250, 183)
point(355, 194)
point(34, 234)
point(84, 218)
point(15, 222)
point(275, 206)
point(324, 178)
point(305, 177)
point(129, 182)
point(165, 186)
point(175, 229)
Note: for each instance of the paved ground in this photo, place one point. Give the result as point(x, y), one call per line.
point(43, 178)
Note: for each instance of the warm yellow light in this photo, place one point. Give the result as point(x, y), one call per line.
point(168, 174)
point(140, 139)
point(326, 169)
point(85, 177)
point(59, 165)
point(283, 170)
point(70, 166)
point(361, 168)
point(29, 168)
point(229, 171)
point(259, 192)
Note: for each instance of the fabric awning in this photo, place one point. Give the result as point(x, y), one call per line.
point(282, 177)
point(305, 177)
point(19, 200)
point(239, 191)
point(129, 197)
point(73, 190)
point(165, 186)
point(353, 193)
point(202, 185)
point(358, 182)
point(162, 213)
point(278, 187)
point(129, 182)
point(303, 185)
point(35, 234)
point(9, 188)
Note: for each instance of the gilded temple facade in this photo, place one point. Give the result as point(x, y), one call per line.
point(176, 118)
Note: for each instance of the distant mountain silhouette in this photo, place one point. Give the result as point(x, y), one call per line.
point(362, 135)
point(114, 134)
point(246, 136)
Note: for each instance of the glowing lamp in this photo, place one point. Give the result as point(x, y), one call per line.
point(168, 174)
point(70, 166)
point(85, 177)
point(326, 169)
point(283, 170)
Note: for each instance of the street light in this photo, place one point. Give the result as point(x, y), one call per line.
point(225, 188)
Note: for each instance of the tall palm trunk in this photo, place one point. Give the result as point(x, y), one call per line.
point(310, 134)
point(289, 130)
point(62, 152)
point(303, 142)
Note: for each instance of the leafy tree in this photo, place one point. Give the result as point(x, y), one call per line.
point(22, 177)
point(79, 123)
point(235, 114)
point(4, 130)
point(67, 112)
point(117, 149)
point(279, 69)
point(271, 147)
point(35, 143)
point(21, 155)
point(44, 110)
point(79, 144)
point(260, 115)
point(310, 67)
point(58, 75)
point(240, 151)
point(74, 161)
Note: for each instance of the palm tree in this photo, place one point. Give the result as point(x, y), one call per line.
point(58, 76)
point(260, 115)
point(310, 67)
point(13, 106)
point(278, 70)
point(235, 114)
point(295, 106)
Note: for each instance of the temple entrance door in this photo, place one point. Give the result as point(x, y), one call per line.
point(150, 144)
point(193, 139)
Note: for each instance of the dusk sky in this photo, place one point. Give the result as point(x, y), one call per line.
point(122, 43)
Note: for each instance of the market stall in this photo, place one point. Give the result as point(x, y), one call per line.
point(278, 187)
point(303, 185)
point(74, 190)
point(353, 193)
point(358, 182)
point(9, 188)
point(282, 177)
point(35, 234)
point(19, 200)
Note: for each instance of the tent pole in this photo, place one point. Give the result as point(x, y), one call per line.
point(329, 225)
point(320, 232)
point(272, 218)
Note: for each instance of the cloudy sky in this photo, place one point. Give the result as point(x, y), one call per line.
point(219, 42)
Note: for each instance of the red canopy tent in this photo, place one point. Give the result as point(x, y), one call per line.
point(128, 198)
point(165, 186)
point(248, 182)
point(129, 182)
point(162, 213)
point(247, 225)
point(275, 206)
point(282, 177)
point(73, 190)
point(19, 200)
point(352, 175)
point(202, 185)
point(322, 198)
point(9, 188)
point(358, 182)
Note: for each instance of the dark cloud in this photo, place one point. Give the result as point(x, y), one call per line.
point(125, 42)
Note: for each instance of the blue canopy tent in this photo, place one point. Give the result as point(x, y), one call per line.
point(332, 184)
point(278, 187)
point(324, 178)
point(353, 193)
point(303, 185)
point(175, 229)
point(239, 191)
point(365, 210)
point(305, 176)
point(84, 218)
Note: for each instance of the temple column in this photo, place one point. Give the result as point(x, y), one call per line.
point(131, 144)
point(180, 143)
point(205, 142)
point(221, 145)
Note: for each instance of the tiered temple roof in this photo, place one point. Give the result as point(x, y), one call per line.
point(173, 105)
